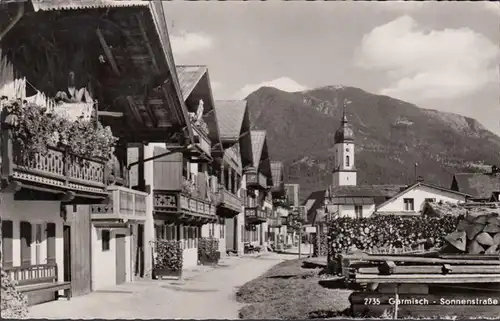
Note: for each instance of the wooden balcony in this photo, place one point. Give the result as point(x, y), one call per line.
point(125, 205)
point(176, 206)
point(56, 175)
point(203, 145)
point(256, 180)
point(229, 205)
point(255, 215)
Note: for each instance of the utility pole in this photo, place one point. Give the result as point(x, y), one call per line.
point(300, 239)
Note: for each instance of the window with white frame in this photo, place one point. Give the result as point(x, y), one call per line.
point(358, 210)
point(409, 204)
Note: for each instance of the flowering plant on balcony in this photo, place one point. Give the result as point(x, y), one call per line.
point(34, 129)
point(189, 187)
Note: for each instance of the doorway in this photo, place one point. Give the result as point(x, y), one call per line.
point(235, 234)
point(139, 262)
point(121, 261)
point(67, 252)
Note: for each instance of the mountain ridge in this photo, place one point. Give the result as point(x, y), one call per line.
point(301, 126)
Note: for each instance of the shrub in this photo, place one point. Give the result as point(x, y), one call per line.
point(208, 248)
point(169, 255)
point(387, 231)
point(14, 305)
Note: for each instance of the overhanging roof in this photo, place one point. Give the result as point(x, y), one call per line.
point(234, 126)
point(194, 83)
point(162, 115)
point(261, 159)
point(230, 115)
point(44, 5)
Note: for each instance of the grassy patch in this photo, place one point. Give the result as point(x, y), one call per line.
point(288, 291)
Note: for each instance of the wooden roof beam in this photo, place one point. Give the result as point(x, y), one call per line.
point(140, 21)
point(107, 52)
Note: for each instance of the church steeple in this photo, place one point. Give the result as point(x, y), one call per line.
point(344, 170)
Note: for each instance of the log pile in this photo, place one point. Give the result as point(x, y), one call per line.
point(429, 284)
point(377, 234)
point(478, 233)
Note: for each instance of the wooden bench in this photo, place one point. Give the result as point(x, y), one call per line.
point(35, 279)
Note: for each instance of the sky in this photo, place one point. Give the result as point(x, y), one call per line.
point(437, 55)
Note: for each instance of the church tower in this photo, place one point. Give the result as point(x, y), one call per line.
point(344, 172)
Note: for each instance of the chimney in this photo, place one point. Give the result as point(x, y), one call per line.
point(420, 179)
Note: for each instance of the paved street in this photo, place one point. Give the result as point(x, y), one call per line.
point(205, 293)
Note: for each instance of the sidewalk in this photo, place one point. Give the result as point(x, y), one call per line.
point(203, 293)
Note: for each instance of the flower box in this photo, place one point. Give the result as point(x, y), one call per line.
point(168, 261)
point(166, 272)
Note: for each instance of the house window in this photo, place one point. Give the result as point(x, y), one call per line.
point(38, 243)
point(409, 204)
point(26, 240)
point(51, 243)
point(7, 244)
point(347, 161)
point(222, 228)
point(105, 237)
point(358, 210)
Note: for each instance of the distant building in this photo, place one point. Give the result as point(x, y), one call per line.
point(344, 198)
point(482, 186)
point(292, 194)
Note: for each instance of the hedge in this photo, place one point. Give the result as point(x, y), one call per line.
point(169, 255)
point(208, 248)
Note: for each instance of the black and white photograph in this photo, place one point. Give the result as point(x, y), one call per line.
point(249, 159)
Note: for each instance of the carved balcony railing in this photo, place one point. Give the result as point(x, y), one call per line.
point(229, 204)
point(178, 206)
point(256, 180)
point(57, 171)
point(255, 215)
point(125, 204)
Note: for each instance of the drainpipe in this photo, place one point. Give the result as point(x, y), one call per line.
point(19, 15)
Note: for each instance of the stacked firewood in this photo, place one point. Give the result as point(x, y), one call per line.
point(478, 233)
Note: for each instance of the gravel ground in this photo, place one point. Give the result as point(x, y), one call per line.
point(207, 293)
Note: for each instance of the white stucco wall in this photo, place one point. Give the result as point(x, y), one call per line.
point(149, 232)
point(190, 258)
point(349, 210)
point(35, 212)
point(419, 194)
point(104, 262)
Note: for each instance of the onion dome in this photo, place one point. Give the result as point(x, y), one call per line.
point(345, 133)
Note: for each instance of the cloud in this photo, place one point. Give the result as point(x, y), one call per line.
point(436, 64)
point(399, 6)
point(283, 83)
point(186, 43)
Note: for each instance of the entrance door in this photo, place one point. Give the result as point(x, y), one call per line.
point(236, 236)
point(139, 262)
point(121, 262)
point(67, 252)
